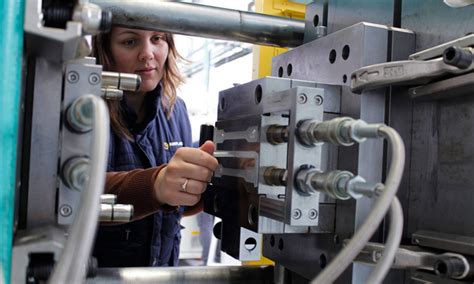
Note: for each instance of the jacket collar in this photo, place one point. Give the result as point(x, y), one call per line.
point(152, 101)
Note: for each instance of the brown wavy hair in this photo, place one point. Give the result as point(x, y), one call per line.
point(170, 82)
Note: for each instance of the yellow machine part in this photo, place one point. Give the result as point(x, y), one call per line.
point(262, 55)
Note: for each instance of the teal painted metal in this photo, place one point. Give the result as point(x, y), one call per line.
point(11, 51)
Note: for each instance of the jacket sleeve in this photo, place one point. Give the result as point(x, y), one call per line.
point(136, 188)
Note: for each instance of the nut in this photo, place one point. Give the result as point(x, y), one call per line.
point(303, 180)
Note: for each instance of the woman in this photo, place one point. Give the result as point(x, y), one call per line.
point(151, 164)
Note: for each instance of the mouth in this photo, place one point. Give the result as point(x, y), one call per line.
point(147, 70)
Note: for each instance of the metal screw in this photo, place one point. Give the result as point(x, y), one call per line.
point(376, 256)
point(320, 31)
point(318, 100)
point(302, 99)
point(296, 214)
point(94, 79)
point(65, 210)
point(72, 77)
point(252, 133)
point(313, 214)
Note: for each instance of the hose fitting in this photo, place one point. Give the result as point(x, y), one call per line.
point(340, 185)
point(343, 131)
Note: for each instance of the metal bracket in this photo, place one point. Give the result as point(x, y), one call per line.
point(407, 72)
point(57, 45)
point(438, 50)
point(404, 258)
point(448, 242)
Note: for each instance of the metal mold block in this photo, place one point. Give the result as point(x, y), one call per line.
point(256, 106)
point(75, 144)
point(331, 59)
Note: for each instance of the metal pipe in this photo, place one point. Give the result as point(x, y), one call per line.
point(205, 21)
point(71, 267)
point(11, 51)
point(180, 275)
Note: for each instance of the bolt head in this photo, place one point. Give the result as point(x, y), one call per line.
point(94, 79)
point(73, 77)
point(65, 210)
point(296, 214)
point(302, 98)
point(313, 214)
point(318, 100)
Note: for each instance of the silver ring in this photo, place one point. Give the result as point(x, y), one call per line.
point(183, 186)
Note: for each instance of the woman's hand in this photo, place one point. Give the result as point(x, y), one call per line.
point(185, 177)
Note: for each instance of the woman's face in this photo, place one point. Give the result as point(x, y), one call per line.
point(140, 52)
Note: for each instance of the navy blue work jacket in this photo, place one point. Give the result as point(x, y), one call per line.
point(153, 240)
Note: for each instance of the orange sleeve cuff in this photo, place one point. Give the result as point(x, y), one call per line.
point(136, 187)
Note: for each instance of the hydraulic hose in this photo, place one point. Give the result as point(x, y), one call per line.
point(71, 267)
point(381, 206)
point(391, 246)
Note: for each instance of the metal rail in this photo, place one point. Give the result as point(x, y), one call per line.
point(205, 21)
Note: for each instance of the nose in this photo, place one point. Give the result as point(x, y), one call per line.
point(146, 53)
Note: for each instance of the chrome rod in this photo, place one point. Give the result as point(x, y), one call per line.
point(181, 275)
point(205, 21)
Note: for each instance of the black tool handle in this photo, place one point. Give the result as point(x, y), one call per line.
point(206, 133)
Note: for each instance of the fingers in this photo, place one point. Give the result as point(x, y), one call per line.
point(192, 186)
point(197, 156)
point(180, 169)
point(185, 177)
point(208, 147)
point(185, 191)
point(187, 199)
point(177, 191)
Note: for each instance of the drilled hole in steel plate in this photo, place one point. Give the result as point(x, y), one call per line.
point(344, 78)
point(252, 215)
point(280, 244)
point(316, 20)
point(250, 244)
point(280, 72)
point(346, 50)
point(332, 56)
point(272, 240)
point(322, 260)
point(222, 104)
point(258, 94)
point(289, 69)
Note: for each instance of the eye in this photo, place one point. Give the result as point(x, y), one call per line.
point(129, 42)
point(156, 38)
